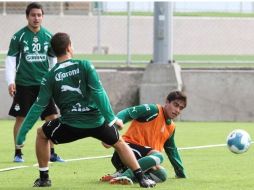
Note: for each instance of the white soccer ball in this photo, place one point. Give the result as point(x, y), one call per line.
point(238, 141)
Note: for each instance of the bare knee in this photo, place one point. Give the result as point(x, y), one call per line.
point(40, 133)
point(50, 117)
point(119, 143)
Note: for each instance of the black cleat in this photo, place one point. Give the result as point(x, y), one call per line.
point(42, 183)
point(146, 183)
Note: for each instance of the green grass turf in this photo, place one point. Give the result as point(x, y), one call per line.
point(207, 169)
point(188, 14)
point(186, 61)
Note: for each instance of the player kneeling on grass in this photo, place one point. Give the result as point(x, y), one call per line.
point(85, 111)
point(151, 129)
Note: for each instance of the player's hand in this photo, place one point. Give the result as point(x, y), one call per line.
point(119, 124)
point(12, 89)
point(19, 146)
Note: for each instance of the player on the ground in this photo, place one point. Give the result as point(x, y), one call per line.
point(85, 111)
point(151, 129)
point(27, 61)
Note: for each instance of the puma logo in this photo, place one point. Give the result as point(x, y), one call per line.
point(70, 88)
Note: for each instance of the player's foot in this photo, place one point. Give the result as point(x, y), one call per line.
point(108, 177)
point(123, 180)
point(42, 183)
point(18, 158)
point(55, 158)
point(146, 183)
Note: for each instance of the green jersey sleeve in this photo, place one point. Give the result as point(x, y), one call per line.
point(142, 113)
point(35, 111)
point(14, 46)
point(98, 94)
point(174, 157)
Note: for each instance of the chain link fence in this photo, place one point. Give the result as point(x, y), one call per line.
point(123, 32)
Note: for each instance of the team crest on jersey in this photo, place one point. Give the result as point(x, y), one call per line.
point(17, 107)
point(35, 39)
point(43, 81)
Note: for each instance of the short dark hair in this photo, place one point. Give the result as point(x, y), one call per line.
point(33, 5)
point(177, 95)
point(59, 43)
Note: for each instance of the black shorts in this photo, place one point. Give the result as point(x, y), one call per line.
point(138, 150)
point(23, 100)
point(60, 133)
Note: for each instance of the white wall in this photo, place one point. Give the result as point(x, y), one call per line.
point(213, 95)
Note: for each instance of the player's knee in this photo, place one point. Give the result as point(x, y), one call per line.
point(40, 133)
point(159, 175)
point(157, 157)
point(163, 175)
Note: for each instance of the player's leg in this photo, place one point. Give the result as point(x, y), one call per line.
point(141, 153)
point(110, 136)
point(158, 174)
point(22, 102)
point(119, 166)
point(42, 153)
point(146, 163)
point(51, 131)
point(18, 153)
point(50, 114)
point(129, 159)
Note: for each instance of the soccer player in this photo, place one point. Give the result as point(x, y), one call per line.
point(151, 129)
point(27, 61)
point(85, 111)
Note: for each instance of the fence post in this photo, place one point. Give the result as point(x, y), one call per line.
point(128, 35)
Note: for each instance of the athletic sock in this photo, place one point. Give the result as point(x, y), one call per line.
point(138, 174)
point(18, 152)
point(44, 173)
point(146, 163)
point(158, 175)
point(151, 160)
point(52, 151)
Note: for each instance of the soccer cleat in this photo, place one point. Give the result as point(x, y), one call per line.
point(123, 180)
point(108, 177)
point(18, 158)
point(146, 183)
point(55, 158)
point(42, 183)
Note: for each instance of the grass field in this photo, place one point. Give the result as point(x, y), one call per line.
point(185, 14)
point(186, 61)
point(207, 168)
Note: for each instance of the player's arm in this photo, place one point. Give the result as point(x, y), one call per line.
point(174, 157)
point(34, 112)
point(145, 112)
point(52, 62)
point(10, 73)
point(100, 96)
point(51, 57)
point(10, 65)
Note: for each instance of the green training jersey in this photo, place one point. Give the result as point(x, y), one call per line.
point(31, 51)
point(77, 90)
point(146, 113)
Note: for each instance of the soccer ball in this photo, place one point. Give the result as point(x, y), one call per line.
point(238, 141)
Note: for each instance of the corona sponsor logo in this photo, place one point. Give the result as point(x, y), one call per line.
point(60, 76)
